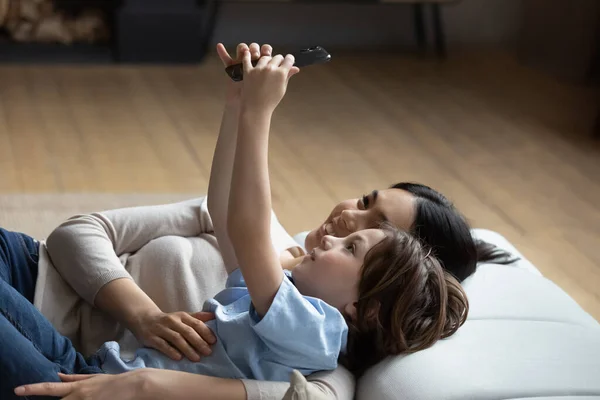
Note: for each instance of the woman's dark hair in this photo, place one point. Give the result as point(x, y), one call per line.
point(441, 226)
point(406, 302)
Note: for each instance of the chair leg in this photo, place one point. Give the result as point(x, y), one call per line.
point(419, 26)
point(438, 31)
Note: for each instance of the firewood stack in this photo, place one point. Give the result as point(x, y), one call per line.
point(39, 21)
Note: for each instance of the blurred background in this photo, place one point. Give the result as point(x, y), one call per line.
point(493, 102)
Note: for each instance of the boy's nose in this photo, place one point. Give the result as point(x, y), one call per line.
point(327, 242)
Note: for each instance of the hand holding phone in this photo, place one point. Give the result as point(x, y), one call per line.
point(304, 58)
point(266, 83)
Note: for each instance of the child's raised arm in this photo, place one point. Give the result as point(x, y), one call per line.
point(249, 217)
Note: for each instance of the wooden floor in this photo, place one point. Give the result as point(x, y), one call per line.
point(509, 145)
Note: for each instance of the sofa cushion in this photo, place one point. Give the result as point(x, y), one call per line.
point(500, 292)
point(524, 337)
point(501, 242)
point(494, 359)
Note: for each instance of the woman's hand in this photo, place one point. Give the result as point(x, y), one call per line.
point(176, 333)
point(126, 386)
point(141, 384)
point(266, 83)
point(234, 89)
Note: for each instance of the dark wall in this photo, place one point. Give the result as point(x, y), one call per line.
point(349, 25)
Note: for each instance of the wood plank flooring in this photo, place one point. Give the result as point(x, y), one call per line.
point(511, 146)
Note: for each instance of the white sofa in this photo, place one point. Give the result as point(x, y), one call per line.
point(525, 338)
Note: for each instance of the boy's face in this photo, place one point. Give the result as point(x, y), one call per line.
point(331, 271)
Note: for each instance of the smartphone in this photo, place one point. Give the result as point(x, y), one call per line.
point(304, 58)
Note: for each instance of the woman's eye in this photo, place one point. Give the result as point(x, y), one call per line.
point(365, 202)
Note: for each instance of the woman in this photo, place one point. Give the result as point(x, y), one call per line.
point(162, 248)
point(422, 211)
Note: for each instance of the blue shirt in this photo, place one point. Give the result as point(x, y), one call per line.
point(297, 332)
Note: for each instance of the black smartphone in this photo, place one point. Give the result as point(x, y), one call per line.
point(304, 58)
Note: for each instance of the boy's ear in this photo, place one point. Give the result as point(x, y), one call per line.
point(350, 311)
point(370, 313)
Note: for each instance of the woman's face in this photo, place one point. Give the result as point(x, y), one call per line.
point(394, 205)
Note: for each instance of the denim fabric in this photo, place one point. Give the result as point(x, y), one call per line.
point(19, 255)
point(31, 350)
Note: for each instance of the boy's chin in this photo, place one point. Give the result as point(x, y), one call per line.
point(305, 261)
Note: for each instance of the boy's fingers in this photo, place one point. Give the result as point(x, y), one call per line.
point(266, 50)
point(288, 62)
point(293, 72)
point(263, 61)
point(239, 52)
point(277, 60)
point(255, 51)
point(246, 61)
point(224, 55)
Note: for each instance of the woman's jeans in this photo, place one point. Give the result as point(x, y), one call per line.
point(31, 350)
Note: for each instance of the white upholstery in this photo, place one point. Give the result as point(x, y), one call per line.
point(524, 338)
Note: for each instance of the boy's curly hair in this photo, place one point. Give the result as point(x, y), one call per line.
point(406, 302)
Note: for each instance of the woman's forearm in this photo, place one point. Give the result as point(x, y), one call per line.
point(220, 180)
point(125, 301)
point(164, 384)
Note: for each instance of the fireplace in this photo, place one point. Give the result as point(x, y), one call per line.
point(102, 31)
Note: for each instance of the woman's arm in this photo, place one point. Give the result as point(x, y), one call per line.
point(123, 300)
point(85, 250)
point(222, 164)
point(332, 385)
point(140, 384)
point(220, 181)
point(338, 384)
point(162, 384)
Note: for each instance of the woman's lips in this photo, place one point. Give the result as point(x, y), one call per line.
point(322, 231)
point(325, 229)
point(329, 229)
